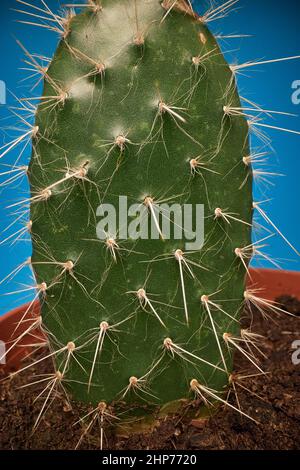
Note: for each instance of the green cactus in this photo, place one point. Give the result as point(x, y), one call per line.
point(135, 104)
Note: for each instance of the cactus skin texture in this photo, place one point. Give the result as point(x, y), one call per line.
point(117, 73)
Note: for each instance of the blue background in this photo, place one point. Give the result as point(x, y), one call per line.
point(276, 33)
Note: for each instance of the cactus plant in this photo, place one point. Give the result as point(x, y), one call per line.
point(140, 104)
point(133, 105)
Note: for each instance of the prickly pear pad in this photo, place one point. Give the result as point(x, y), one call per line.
point(133, 105)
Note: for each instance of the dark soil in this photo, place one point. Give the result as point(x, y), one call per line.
point(273, 400)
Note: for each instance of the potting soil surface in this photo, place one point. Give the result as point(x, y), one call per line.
point(273, 400)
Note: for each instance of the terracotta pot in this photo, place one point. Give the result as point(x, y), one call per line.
point(275, 283)
point(272, 283)
point(10, 331)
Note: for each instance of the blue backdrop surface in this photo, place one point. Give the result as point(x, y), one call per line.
point(275, 33)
